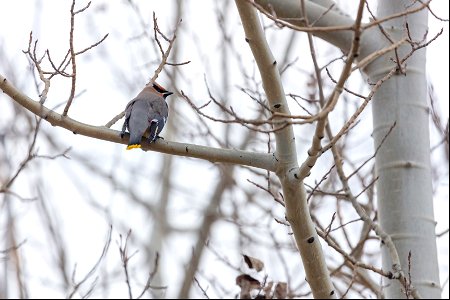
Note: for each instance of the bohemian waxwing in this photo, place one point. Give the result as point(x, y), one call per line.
point(146, 115)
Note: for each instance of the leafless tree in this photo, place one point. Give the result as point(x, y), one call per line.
point(288, 196)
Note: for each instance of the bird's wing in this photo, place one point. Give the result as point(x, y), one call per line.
point(159, 107)
point(128, 108)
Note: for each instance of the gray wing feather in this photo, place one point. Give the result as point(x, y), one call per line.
point(146, 111)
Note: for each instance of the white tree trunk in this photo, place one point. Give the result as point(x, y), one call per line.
point(403, 163)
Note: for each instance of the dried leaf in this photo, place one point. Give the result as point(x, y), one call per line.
point(281, 290)
point(245, 279)
point(253, 263)
point(247, 283)
point(267, 289)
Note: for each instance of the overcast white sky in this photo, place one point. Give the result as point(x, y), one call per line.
point(106, 95)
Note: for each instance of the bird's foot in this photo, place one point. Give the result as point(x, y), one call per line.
point(156, 138)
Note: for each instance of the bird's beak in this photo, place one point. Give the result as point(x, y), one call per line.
point(167, 94)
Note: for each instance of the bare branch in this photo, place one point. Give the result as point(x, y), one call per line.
point(91, 272)
point(72, 59)
point(260, 160)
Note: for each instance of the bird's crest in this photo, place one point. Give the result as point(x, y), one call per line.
point(159, 88)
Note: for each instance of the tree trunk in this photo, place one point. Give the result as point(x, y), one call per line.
point(405, 198)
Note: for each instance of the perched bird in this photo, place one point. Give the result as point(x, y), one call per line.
point(146, 115)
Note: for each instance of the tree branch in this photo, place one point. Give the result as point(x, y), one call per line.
point(264, 161)
point(297, 212)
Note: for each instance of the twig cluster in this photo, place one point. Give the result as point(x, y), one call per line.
point(61, 67)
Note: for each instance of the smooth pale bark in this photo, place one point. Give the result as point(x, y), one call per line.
point(297, 212)
point(264, 161)
point(321, 17)
point(403, 162)
point(405, 196)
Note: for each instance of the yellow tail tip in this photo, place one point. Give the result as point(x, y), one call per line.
point(129, 147)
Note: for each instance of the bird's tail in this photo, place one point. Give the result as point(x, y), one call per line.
point(135, 141)
point(133, 146)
